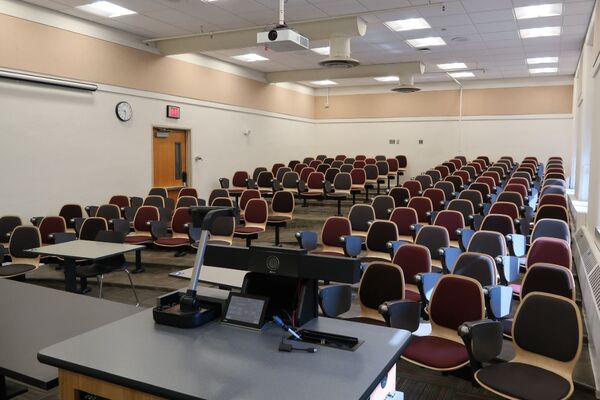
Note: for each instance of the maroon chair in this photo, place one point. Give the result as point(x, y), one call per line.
point(457, 163)
point(187, 191)
point(239, 183)
point(553, 199)
point(393, 169)
point(276, 167)
point(505, 208)
point(414, 187)
point(482, 164)
point(314, 164)
point(553, 212)
point(120, 201)
point(359, 164)
point(452, 221)
point(314, 187)
point(255, 217)
point(179, 238)
point(333, 229)
point(455, 300)
point(457, 181)
point(50, 226)
point(404, 218)
point(444, 171)
point(466, 177)
point(340, 157)
point(264, 183)
point(494, 175)
point(370, 161)
point(360, 157)
point(359, 178)
point(422, 206)
point(379, 234)
point(293, 163)
point(437, 197)
point(518, 188)
point(413, 259)
point(489, 181)
point(518, 180)
point(305, 173)
point(299, 167)
point(246, 196)
point(142, 220)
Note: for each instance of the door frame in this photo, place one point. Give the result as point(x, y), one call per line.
point(188, 148)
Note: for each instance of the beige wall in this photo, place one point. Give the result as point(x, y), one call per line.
point(29, 46)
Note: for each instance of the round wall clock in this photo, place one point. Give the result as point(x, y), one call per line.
point(124, 111)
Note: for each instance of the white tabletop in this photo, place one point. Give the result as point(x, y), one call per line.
point(85, 249)
point(231, 278)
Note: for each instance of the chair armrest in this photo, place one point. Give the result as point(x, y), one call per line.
point(498, 301)
point(335, 300)
point(508, 268)
point(121, 225)
point(62, 237)
point(91, 210)
point(194, 233)
point(77, 223)
point(517, 244)
point(476, 222)
point(464, 237)
point(165, 214)
point(483, 340)
point(430, 215)
point(394, 245)
point(352, 245)
point(449, 255)
point(302, 187)
point(414, 229)
point(250, 184)
point(276, 185)
point(307, 240)
point(159, 229)
point(35, 221)
point(202, 202)
point(426, 281)
point(129, 213)
point(224, 182)
point(401, 314)
point(327, 188)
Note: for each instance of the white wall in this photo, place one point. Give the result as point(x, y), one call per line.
point(541, 136)
point(60, 146)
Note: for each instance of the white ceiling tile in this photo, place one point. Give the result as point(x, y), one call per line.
point(504, 26)
point(492, 16)
point(443, 9)
point(449, 20)
point(373, 5)
point(579, 7)
point(504, 35)
point(486, 5)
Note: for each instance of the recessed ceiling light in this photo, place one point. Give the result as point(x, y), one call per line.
point(325, 82)
point(547, 70)
point(449, 66)
point(465, 74)
point(426, 42)
point(106, 9)
point(539, 32)
point(250, 57)
point(387, 79)
point(409, 24)
point(538, 11)
point(324, 51)
point(542, 60)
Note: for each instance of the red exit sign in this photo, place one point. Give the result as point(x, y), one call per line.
point(173, 112)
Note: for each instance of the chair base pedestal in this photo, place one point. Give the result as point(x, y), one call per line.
point(138, 263)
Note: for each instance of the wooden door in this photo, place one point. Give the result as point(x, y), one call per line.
point(170, 159)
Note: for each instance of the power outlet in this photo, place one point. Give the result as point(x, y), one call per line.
point(420, 141)
point(392, 141)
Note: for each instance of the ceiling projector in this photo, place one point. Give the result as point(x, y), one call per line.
point(282, 39)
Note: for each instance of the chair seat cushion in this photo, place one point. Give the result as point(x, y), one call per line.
point(15, 269)
point(367, 320)
point(245, 230)
point(279, 218)
point(436, 352)
point(524, 381)
point(312, 194)
point(412, 296)
point(138, 239)
point(172, 242)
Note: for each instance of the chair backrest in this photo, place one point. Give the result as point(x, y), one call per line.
point(108, 212)
point(402, 161)
point(50, 225)
point(257, 212)
point(555, 199)
point(553, 212)
point(7, 224)
point(433, 237)
point(498, 223)
point(465, 207)
point(455, 300)
point(511, 197)
point(522, 174)
point(265, 180)
point(275, 168)
point(447, 187)
point(143, 216)
point(181, 220)
point(550, 251)
point(488, 180)
point(392, 165)
point(414, 187)
point(473, 196)
point(554, 182)
point(346, 168)
point(306, 173)
point(372, 172)
point(381, 282)
point(471, 170)
point(464, 175)
point(494, 175)
point(333, 229)
point(314, 164)
point(186, 201)
point(308, 160)
point(107, 236)
point(434, 174)
point(413, 259)
point(24, 238)
point(485, 159)
point(481, 163)
point(290, 180)
point(379, 234)
point(330, 174)
point(158, 191)
point(340, 157)
point(451, 220)
point(293, 163)
point(257, 172)
point(282, 203)
point(462, 159)
point(404, 217)
point(240, 179)
point(349, 160)
point(382, 168)
point(548, 227)
point(400, 195)
point(119, 201)
point(359, 164)
point(451, 167)
point(155, 201)
point(552, 189)
point(281, 172)
point(358, 176)
point(456, 181)
point(337, 164)
point(342, 181)
point(299, 167)
point(505, 208)
point(555, 175)
point(370, 161)
point(246, 196)
point(383, 205)
point(323, 167)
point(360, 157)
point(478, 266)
point(315, 181)
point(321, 157)
point(360, 215)
point(380, 157)
point(488, 242)
point(188, 191)
point(443, 170)
point(91, 226)
point(457, 163)
point(422, 205)
point(540, 313)
point(217, 193)
point(69, 212)
point(517, 188)
point(548, 278)
point(437, 197)
point(425, 181)
point(482, 188)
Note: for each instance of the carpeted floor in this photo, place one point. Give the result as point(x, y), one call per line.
point(415, 382)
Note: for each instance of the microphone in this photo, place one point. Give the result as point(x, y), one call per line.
point(279, 322)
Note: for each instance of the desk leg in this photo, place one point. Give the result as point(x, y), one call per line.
point(138, 262)
point(73, 384)
point(70, 277)
point(8, 390)
point(387, 385)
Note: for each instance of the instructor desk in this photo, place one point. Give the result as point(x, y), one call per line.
point(136, 357)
